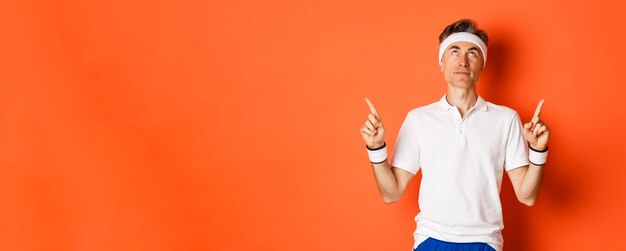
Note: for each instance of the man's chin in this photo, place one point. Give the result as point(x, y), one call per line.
point(463, 83)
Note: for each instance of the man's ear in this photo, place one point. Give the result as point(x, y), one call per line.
point(441, 66)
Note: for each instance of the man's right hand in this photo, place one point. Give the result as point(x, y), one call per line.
point(373, 131)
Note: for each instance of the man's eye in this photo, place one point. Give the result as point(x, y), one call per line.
point(455, 52)
point(473, 53)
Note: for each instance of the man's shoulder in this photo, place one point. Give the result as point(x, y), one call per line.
point(424, 110)
point(501, 110)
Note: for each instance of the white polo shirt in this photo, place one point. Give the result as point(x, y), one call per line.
point(462, 162)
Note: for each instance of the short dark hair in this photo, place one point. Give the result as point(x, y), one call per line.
point(464, 25)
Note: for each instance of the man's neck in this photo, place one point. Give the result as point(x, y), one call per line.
point(463, 99)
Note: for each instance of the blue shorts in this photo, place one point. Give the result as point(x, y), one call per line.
point(432, 244)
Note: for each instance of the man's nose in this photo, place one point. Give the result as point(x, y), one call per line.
point(463, 61)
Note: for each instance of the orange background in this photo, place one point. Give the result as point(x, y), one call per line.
point(234, 125)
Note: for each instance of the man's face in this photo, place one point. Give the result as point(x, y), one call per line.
point(461, 64)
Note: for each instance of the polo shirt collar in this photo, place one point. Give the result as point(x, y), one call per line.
point(480, 105)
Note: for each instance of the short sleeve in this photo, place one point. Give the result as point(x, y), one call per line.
point(406, 154)
point(516, 146)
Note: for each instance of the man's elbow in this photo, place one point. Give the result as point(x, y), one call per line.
point(528, 201)
point(390, 199)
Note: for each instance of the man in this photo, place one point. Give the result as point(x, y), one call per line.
point(462, 144)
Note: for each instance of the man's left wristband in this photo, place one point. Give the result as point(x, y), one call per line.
point(377, 155)
point(536, 157)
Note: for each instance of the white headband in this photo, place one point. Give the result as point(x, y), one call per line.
point(467, 37)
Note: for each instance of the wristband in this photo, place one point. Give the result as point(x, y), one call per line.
point(377, 155)
point(538, 158)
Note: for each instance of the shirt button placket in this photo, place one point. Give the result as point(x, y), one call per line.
point(458, 122)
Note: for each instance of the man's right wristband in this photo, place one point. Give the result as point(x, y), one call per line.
point(377, 155)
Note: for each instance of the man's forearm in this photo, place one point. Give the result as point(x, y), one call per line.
point(387, 182)
point(530, 185)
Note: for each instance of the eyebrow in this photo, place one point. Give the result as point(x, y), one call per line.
point(458, 48)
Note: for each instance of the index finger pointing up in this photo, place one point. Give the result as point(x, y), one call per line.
point(538, 111)
point(372, 108)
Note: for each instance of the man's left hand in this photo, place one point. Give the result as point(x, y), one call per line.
point(536, 131)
